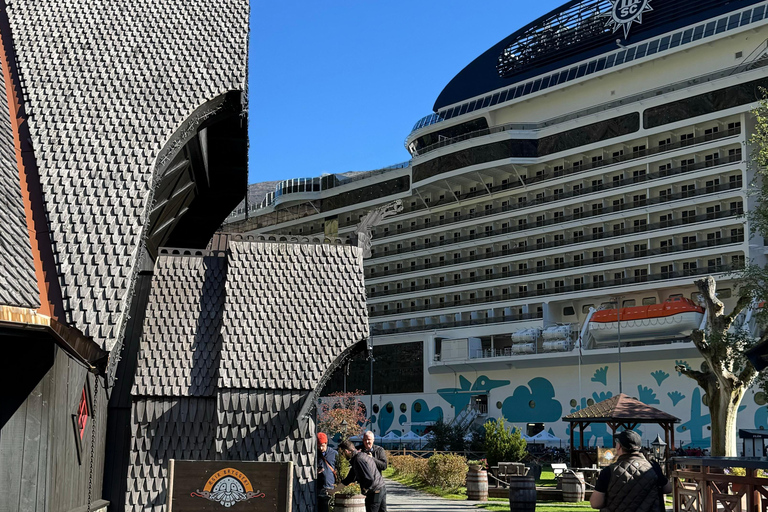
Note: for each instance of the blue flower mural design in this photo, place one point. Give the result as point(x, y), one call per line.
point(460, 397)
point(660, 376)
point(675, 396)
point(421, 413)
point(601, 375)
point(536, 404)
point(646, 395)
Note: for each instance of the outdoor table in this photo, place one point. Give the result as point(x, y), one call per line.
point(590, 474)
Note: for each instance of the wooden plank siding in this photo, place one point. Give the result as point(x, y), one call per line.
point(39, 466)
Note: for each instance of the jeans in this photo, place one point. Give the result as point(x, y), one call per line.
point(322, 501)
point(376, 501)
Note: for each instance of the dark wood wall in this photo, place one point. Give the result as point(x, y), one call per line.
point(40, 469)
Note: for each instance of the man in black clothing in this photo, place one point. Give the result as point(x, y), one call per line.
point(379, 457)
point(632, 483)
point(362, 469)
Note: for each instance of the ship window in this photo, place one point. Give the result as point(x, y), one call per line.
point(648, 301)
point(568, 311)
point(675, 296)
point(585, 308)
point(628, 303)
point(724, 293)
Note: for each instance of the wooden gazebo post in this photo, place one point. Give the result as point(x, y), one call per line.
point(620, 411)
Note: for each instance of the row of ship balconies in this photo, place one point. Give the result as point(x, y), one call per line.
point(670, 246)
point(581, 205)
point(456, 250)
point(562, 283)
point(526, 177)
point(472, 316)
point(624, 153)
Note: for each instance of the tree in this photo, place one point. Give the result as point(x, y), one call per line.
point(727, 374)
point(502, 444)
point(338, 408)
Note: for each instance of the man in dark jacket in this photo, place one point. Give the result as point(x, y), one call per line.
point(362, 469)
point(631, 484)
point(326, 472)
point(379, 457)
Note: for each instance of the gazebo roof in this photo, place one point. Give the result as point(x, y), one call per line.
point(622, 408)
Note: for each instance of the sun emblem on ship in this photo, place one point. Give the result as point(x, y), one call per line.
point(227, 487)
point(626, 12)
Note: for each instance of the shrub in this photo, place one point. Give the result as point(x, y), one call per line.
point(406, 465)
point(448, 472)
point(503, 445)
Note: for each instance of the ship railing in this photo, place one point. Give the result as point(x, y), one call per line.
point(378, 330)
point(551, 174)
point(606, 283)
point(628, 256)
point(604, 235)
point(582, 215)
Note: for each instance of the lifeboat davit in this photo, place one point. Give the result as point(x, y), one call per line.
point(675, 317)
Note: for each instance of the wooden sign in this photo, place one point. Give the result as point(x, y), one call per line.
point(216, 486)
point(606, 456)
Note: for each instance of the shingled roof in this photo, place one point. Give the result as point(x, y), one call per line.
point(18, 285)
point(622, 408)
point(107, 87)
point(236, 343)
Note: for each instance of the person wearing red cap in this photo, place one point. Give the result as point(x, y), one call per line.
point(326, 472)
point(632, 483)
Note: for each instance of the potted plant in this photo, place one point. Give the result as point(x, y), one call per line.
point(349, 498)
point(477, 465)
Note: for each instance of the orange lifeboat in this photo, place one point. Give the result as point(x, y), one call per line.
point(675, 317)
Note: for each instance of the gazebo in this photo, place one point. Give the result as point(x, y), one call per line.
point(619, 411)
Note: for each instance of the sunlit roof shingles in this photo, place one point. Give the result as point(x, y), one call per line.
point(111, 73)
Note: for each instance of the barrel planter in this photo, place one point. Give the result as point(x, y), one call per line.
point(349, 503)
point(522, 494)
point(477, 485)
point(573, 486)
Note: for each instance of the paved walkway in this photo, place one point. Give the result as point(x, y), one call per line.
point(404, 499)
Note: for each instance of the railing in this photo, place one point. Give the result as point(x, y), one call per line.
point(566, 195)
point(629, 256)
point(662, 276)
point(376, 330)
point(604, 235)
point(550, 174)
point(710, 485)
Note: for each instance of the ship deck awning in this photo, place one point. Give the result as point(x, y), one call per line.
point(620, 411)
point(25, 324)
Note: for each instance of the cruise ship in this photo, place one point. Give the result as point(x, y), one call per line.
point(567, 189)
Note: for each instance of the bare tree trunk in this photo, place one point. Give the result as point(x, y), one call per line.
point(723, 409)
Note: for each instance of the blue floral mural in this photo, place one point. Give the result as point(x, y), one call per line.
point(535, 403)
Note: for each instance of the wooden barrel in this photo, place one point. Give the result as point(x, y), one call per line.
point(349, 503)
point(477, 485)
point(522, 494)
point(573, 486)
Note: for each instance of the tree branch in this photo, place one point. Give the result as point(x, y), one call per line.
point(743, 302)
point(702, 378)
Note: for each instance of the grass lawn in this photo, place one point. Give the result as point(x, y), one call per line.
point(547, 479)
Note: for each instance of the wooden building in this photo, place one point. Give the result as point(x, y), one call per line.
point(114, 141)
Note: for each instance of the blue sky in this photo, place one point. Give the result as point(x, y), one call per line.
point(337, 85)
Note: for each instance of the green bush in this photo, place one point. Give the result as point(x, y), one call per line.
point(503, 445)
point(448, 472)
point(406, 465)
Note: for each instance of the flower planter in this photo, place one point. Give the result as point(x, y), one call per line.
point(349, 503)
point(477, 484)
